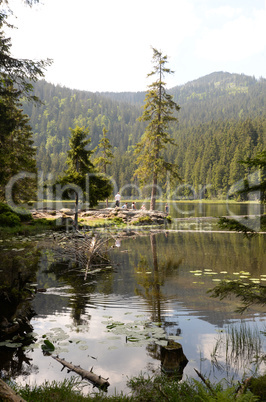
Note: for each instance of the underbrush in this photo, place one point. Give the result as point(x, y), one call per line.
point(150, 389)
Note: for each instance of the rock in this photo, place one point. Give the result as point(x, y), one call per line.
point(65, 215)
point(66, 211)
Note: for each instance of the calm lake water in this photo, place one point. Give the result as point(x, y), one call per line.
point(185, 209)
point(117, 321)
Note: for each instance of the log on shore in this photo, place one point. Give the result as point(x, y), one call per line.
point(95, 379)
point(7, 393)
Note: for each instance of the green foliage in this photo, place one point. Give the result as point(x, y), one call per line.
point(116, 220)
point(17, 153)
point(143, 220)
point(106, 154)
point(249, 294)
point(144, 389)
point(81, 171)
point(235, 226)
point(259, 161)
point(24, 215)
point(13, 217)
point(170, 389)
point(258, 387)
point(9, 219)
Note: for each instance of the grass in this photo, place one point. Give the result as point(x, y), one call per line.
point(145, 389)
point(240, 345)
point(26, 229)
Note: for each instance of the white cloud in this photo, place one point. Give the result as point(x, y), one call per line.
point(103, 45)
point(225, 11)
point(236, 40)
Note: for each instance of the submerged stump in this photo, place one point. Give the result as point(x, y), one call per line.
point(173, 359)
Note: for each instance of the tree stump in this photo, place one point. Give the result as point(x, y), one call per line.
point(173, 359)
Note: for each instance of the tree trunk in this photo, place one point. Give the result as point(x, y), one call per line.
point(76, 210)
point(153, 192)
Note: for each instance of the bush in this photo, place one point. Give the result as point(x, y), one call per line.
point(258, 387)
point(9, 219)
point(4, 208)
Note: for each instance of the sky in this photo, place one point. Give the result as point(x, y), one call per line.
point(106, 45)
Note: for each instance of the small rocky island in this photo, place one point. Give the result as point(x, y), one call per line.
point(128, 216)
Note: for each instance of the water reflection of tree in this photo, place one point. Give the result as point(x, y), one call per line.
point(14, 363)
point(151, 277)
point(18, 270)
point(68, 274)
point(76, 268)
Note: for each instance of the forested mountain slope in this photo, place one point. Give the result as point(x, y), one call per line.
point(222, 119)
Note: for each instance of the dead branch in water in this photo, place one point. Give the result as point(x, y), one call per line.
point(95, 379)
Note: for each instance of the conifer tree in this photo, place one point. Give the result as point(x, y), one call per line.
point(106, 155)
point(159, 111)
point(16, 145)
point(79, 166)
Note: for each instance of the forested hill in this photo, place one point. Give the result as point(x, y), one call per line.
point(215, 96)
point(222, 119)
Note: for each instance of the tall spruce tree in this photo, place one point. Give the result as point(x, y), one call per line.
point(106, 155)
point(159, 111)
point(82, 173)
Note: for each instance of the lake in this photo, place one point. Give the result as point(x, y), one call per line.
point(181, 209)
point(117, 321)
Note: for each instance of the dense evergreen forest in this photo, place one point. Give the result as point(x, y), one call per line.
point(222, 120)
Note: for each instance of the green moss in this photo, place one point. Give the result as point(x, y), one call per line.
point(143, 220)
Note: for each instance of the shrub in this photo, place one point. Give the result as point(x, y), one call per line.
point(24, 216)
point(9, 219)
point(12, 217)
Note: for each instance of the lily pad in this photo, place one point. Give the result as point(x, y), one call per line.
point(47, 347)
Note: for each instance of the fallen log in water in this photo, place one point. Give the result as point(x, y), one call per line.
point(7, 394)
point(95, 379)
